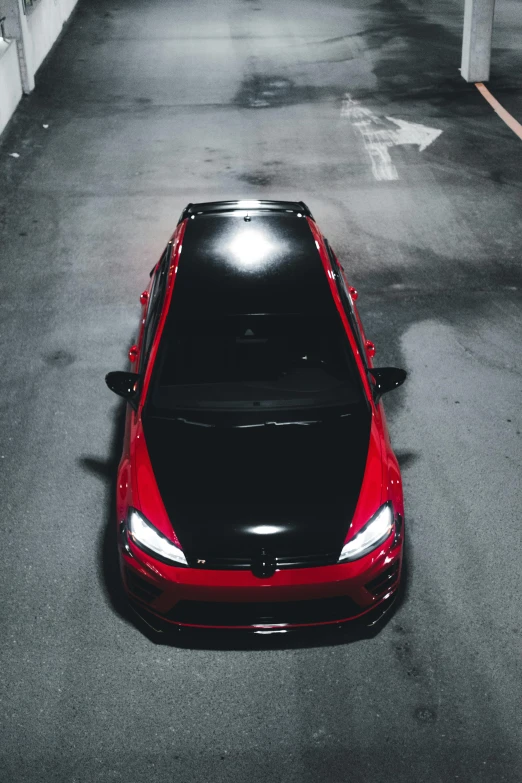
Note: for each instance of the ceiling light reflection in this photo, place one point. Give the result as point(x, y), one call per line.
point(248, 204)
point(265, 530)
point(251, 249)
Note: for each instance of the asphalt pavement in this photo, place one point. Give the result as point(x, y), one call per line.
point(150, 106)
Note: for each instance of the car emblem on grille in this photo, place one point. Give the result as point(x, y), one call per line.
point(263, 565)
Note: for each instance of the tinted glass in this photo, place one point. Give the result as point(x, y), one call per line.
point(157, 294)
point(346, 302)
point(254, 362)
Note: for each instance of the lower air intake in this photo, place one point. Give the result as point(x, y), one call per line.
point(384, 581)
point(263, 614)
point(140, 587)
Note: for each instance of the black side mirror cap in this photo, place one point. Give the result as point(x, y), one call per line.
point(386, 379)
point(125, 384)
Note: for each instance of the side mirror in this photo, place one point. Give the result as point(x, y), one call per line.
point(124, 384)
point(386, 379)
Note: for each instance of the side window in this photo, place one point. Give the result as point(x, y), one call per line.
point(156, 298)
point(347, 305)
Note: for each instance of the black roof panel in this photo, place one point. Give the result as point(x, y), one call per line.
point(268, 263)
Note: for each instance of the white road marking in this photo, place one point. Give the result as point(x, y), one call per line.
point(377, 137)
point(413, 133)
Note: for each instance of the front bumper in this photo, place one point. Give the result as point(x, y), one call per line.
point(167, 596)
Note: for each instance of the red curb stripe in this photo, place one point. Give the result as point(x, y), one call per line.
point(510, 121)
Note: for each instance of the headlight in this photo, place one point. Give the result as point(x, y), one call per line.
point(371, 535)
point(149, 538)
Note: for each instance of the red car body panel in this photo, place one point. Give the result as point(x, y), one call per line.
point(137, 488)
point(186, 584)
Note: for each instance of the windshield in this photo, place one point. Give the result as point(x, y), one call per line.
point(251, 362)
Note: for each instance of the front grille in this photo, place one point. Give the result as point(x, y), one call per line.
point(140, 587)
point(259, 614)
point(384, 580)
point(241, 563)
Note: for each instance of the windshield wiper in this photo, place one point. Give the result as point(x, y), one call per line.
point(247, 426)
point(304, 423)
point(300, 423)
point(195, 423)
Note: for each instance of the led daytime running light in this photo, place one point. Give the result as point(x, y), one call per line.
point(374, 533)
point(149, 538)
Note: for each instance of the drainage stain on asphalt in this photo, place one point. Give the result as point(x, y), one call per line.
point(60, 358)
point(264, 91)
point(257, 178)
point(425, 714)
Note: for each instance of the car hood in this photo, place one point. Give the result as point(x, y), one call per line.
point(289, 489)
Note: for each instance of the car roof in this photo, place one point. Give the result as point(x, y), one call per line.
point(240, 259)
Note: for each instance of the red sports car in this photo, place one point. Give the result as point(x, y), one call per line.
point(257, 488)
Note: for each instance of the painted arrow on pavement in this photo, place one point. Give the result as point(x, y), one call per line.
point(413, 133)
point(378, 138)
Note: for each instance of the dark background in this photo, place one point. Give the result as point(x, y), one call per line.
point(150, 106)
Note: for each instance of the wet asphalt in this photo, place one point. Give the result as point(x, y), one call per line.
point(150, 107)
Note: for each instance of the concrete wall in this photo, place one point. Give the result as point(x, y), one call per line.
point(31, 37)
point(44, 23)
point(10, 81)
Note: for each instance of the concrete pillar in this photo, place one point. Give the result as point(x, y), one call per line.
point(476, 40)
